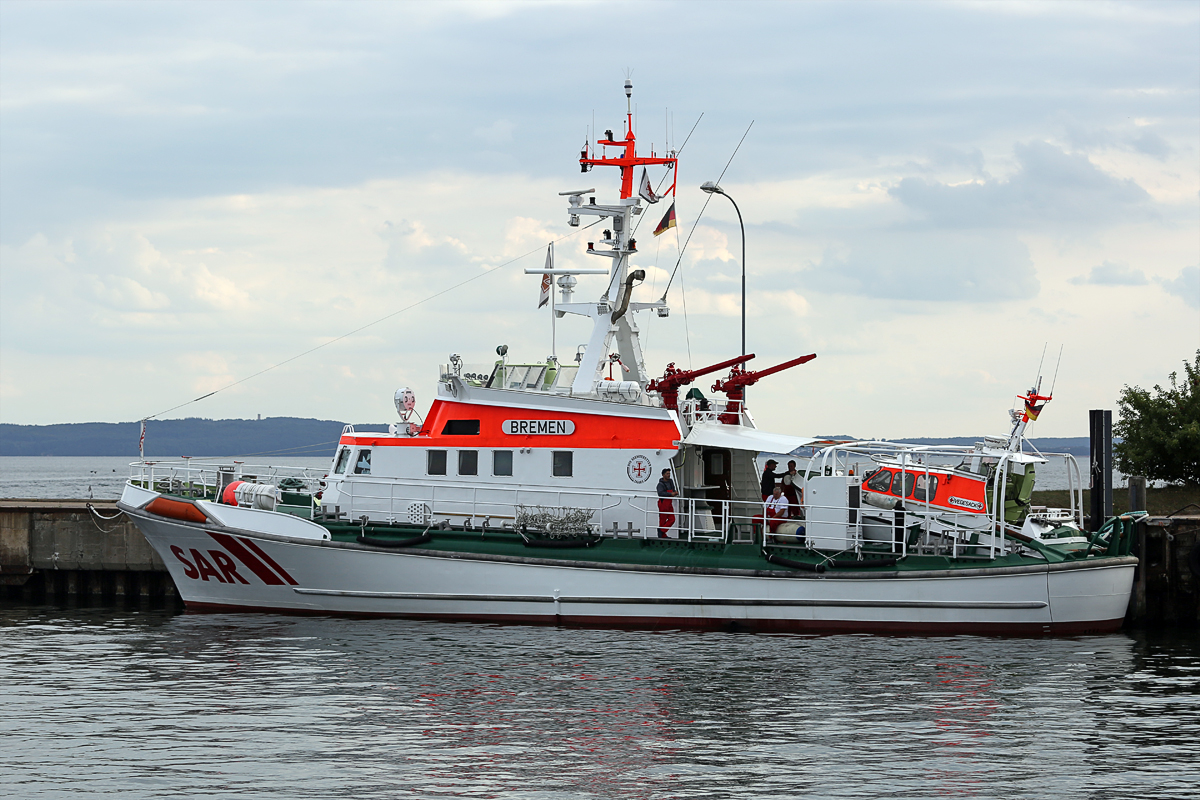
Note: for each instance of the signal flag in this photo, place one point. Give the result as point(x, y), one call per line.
point(668, 221)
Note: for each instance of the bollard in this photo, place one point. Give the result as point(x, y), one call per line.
point(1101, 471)
point(1137, 493)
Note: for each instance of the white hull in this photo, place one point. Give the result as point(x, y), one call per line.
point(279, 573)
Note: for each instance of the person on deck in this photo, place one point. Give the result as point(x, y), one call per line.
point(776, 509)
point(666, 506)
point(769, 478)
point(789, 481)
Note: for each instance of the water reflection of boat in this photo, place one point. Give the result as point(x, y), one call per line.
point(527, 493)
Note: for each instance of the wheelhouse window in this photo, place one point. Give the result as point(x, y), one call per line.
point(362, 465)
point(343, 459)
point(909, 480)
point(468, 462)
point(534, 379)
point(926, 488)
point(564, 463)
point(502, 462)
point(435, 462)
point(881, 481)
point(515, 377)
point(461, 427)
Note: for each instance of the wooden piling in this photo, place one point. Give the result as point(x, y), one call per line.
point(1137, 493)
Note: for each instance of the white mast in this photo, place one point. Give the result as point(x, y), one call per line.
point(611, 315)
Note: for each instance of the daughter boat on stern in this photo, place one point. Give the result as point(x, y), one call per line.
point(527, 493)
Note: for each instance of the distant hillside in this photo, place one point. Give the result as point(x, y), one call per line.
point(178, 437)
point(1075, 445)
point(272, 436)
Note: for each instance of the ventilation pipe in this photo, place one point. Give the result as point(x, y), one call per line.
point(636, 275)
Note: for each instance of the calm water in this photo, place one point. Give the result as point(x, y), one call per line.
point(153, 704)
point(142, 703)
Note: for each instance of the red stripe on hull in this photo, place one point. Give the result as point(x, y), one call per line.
point(1024, 629)
point(262, 554)
point(242, 554)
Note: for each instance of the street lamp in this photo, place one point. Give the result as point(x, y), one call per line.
point(712, 188)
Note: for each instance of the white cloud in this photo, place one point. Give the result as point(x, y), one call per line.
point(953, 266)
point(499, 131)
point(1112, 273)
point(118, 291)
point(1186, 286)
point(1051, 187)
point(192, 193)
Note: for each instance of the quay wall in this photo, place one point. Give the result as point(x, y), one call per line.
point(58, 550)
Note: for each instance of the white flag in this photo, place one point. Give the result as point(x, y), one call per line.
point(645, 191)
point(547, 280)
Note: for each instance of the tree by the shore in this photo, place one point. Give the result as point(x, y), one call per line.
point(1160, 430)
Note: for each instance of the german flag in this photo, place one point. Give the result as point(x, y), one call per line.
point(1032, 407)
point(668, 221)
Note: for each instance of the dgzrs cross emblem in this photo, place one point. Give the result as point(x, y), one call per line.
point(639, 469)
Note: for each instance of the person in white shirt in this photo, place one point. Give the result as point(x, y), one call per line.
point(776, 508)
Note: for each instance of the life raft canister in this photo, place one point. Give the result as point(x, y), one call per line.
point(229, 496)
point(254, 495)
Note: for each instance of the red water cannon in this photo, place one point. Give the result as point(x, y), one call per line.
point(671, 381)
point(735, 385)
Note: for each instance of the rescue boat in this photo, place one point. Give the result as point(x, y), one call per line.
point(533, 492)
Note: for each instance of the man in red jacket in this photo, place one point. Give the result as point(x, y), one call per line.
point(666, 506)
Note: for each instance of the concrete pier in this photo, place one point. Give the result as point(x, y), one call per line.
point(58, 551)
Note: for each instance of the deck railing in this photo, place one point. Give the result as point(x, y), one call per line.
point(612, 513)
point(832, 527)
point(694, 411)
point(194, 478)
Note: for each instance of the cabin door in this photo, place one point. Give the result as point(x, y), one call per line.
point(718, 472)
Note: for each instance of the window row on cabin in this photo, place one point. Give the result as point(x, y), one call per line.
point(562, 462)
point(910, 485)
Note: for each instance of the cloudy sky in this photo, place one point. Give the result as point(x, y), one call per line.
point(193, 192)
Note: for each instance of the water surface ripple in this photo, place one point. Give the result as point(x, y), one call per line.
point(152, 704)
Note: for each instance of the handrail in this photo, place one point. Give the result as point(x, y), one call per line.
point(917, 522)
point(189, 477)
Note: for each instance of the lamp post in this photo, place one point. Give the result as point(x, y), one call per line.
point(712, 188)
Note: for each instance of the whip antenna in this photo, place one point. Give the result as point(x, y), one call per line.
point(1056, 365)
point(706, 201)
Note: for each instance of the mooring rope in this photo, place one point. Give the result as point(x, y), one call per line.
point(96, 515)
